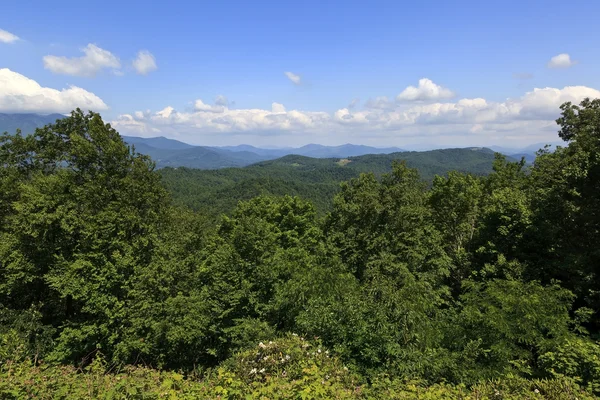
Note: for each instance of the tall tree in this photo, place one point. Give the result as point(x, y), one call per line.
point(81, 214)
point(567, 206)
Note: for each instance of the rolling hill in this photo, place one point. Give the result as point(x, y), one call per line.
point(316, 179)
point(172, 153)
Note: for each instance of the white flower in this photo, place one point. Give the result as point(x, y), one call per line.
point(266, 358)
point(319, 350)
point(262, 345)
point(262, 370)
point(287, 357)
point(536, 391)
point(253, 371)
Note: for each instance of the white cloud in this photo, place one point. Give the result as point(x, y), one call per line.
point(199, 105)
point(296, 80)
point(21, 94)
point(561, 61)
point(93, 61)
point(427, 90)
point(277, 108)
point(380, 103)
point(7, 37)
point(528, 118)
point(144, 62)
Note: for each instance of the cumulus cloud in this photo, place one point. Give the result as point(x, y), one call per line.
point(380, 103)
point(7, 37)
point(561, 61)
point(21, 94)
point(144, 62)
point(296, 80)
point(93, 61)
point(528, 117)
point(204, 119)
point(199, 105)
point(426, 90)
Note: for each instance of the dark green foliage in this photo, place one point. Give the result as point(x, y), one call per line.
point(80, 214)
point(314, 179)
point(481, 283)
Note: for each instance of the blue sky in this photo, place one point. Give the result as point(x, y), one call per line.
point(479, 64)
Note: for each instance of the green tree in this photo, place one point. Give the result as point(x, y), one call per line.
point(384, 236)
point(566, 206)
point(81, 213)
point(455, 203)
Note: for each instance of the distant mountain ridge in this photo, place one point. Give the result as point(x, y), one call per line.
point(174, 153)
point(27, 123)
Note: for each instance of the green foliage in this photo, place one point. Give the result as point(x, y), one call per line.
point(80, 215)
point(285, 368)
point(473, 287)
point(566, 201)
point(318, 180)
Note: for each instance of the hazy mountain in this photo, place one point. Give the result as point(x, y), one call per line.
point(26, 122)
point(346, 150)
point(529, 157)
point(178, 154)
point(529, 152)
point(158, 142)
point(172, 153)
point(316, 150)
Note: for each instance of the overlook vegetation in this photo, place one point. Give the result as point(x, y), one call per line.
point(472, 284)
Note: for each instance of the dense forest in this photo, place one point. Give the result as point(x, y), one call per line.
point(314, 179)
point(469, 285)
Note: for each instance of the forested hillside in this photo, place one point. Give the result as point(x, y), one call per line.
point(470, 286)
point(317, 180)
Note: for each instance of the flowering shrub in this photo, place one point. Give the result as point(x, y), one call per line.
point(284, 368)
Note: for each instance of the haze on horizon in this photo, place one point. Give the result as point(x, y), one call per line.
point(281, 74)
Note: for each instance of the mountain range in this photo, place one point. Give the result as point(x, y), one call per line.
point(173, 153)
point(26, 122)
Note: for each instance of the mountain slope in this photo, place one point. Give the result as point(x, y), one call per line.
point(316, 179)
point(172, 153)
point(26, 122)
point(158, 142)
